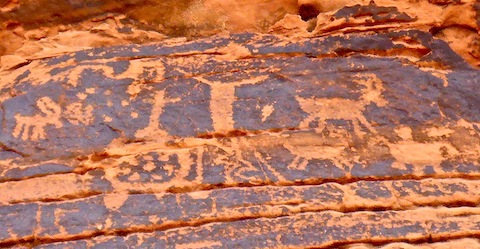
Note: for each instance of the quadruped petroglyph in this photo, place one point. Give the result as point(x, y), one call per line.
point(32, 127)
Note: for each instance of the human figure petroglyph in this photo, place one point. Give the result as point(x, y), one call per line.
point(153, 127)
point(33, 127)
point(222, 100)
point(322, 109)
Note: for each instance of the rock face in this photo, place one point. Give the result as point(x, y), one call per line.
point(349, 126)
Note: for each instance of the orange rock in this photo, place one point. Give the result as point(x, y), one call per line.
point(261, 124)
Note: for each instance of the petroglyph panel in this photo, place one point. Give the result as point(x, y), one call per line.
point(104, 99)
point(308, 142)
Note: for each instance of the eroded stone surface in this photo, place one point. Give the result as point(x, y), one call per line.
point(308, 229)
point(147, 130)
point(29, 31)
point(353, 127)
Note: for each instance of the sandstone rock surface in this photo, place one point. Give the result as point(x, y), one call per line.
point(350, 125)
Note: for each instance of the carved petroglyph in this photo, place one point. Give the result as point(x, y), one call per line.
point(78, 114)
point(222, 99)
point(322, 109)
point(153, 127)
point(157, 169)
point(249, 164)
point(267, 111)
point(33, 127)
point(314, 148)
point(143, 71)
